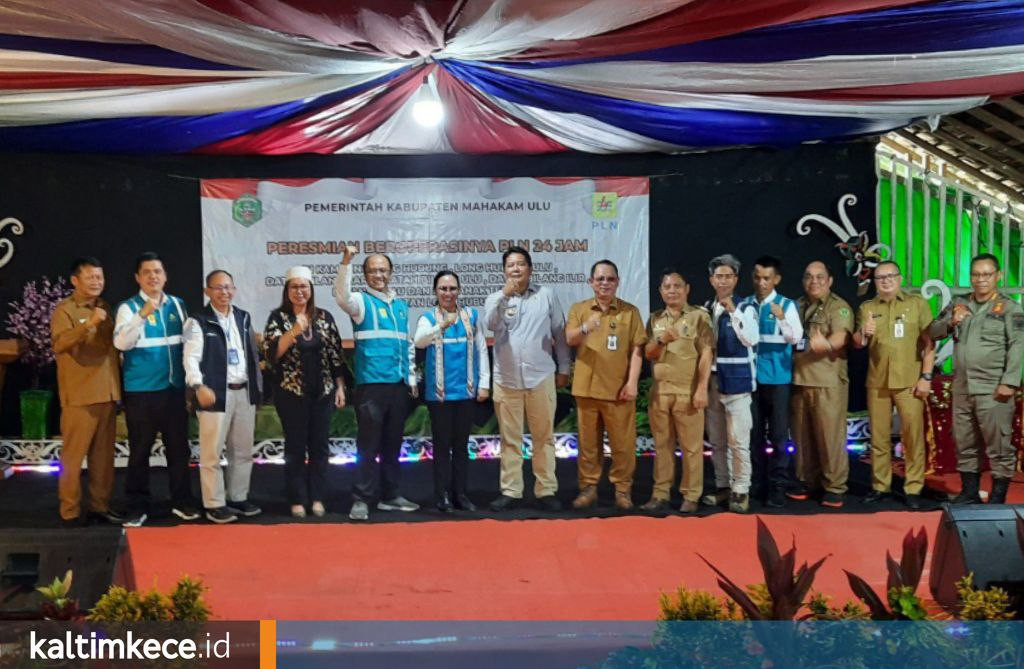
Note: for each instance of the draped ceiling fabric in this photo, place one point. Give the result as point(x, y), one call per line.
point(514, 76)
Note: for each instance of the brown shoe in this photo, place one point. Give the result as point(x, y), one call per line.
point(655, 505)
point(586, 499)
point(688, 507)
point(739, 503)
point(719, 496)
point(623, 502)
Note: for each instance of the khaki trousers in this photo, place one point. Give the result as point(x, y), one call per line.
point(982, 423)
point(673, 418)
point(537, 406)
point(88, 433)
point(230, 430)
point(818, 422)
point(618, 419)
point(911, 410)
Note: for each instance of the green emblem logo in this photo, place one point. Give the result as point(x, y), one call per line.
point(247, 210)
point(604, 205)
point(844, 312)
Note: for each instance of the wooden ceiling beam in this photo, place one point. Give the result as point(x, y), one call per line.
point(982, 138)
point(1005, 126)
point(986, 158)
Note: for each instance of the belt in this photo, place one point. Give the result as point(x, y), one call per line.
point(238, 386)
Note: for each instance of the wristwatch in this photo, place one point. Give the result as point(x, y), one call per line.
point(927, 376)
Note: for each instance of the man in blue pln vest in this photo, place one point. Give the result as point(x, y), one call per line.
point(147, 330)
point(222, 368)
point(779, 328)
point(385, 378)
point(733, 379)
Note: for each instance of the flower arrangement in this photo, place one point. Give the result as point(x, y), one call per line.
point(29, 319)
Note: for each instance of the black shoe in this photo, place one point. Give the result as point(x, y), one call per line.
point(776, 498)
point(136, 519)
point(186, 512)
point(221, 515)
point(462, 502)
point(444, 504)
point(969, 482)
point(999, 489)
point(109, 516)
point(914, 502)
point(549, 503)
point(505, 503)
point(245, 508)
point(798, 493)
point(832, 500)
point(875, 496)
point(71, 523)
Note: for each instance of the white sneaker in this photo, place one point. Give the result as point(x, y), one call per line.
point(359, 511)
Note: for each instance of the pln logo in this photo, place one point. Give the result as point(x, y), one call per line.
point(604, 205)
point(247, 210)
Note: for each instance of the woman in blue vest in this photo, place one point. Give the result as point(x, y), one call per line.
point(457, 373)
point(303, 344)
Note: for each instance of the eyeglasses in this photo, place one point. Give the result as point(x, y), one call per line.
point(887, 277)
point(223, 288)
point(605, 279)
point(984, 276)
point(811, 278)
point(300, 287)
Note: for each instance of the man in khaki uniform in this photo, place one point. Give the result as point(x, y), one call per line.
point(680, 346)
point(88, 381)
point(608, 335)
point(821, 389)
point(988, 329)
point(894, 328)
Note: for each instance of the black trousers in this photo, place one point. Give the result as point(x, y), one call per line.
point(770, 413)
point(381, 409)
point(147, 413)
point(450, 423)
point(306, 422)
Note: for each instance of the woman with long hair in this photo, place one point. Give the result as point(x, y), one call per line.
point(458, 373)
point(304, 347)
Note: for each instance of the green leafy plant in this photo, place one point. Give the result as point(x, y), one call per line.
point(686, 604)
point(184, 603)
point(975, 604)
point(821, 610)
point(901, 585)
point(57, 601)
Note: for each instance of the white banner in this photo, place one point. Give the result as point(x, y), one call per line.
point(256, 230)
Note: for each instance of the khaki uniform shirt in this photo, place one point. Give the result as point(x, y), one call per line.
point(88, 366)
point(989, 344)
point(894, 361)
point(675, 371)
point(601, 372)
point(828, 316)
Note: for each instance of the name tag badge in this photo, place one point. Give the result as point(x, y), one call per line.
point(82, 320)
point(232, 356)
point(613, 342)
point(802, 344)
point(511, 312)
point(898, 330)
point(383, 312)
point(151, 319)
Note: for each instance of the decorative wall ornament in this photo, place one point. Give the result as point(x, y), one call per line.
point(929, 289)
point(860, 254)
point(6, 245)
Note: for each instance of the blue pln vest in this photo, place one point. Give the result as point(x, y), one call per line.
point(382, 342)
point(774, 354)
point(458, 353)
point(155, 362)
point(734, 362)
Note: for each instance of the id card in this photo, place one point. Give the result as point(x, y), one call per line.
point(613, 342)
point(232, 356)
point(898, 330)
point(802, 345)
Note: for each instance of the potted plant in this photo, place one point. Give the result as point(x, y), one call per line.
point(29, 320)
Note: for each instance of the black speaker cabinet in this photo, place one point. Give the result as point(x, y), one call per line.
point(979, 539)
point(30, 558)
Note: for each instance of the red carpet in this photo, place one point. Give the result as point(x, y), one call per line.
point(607, 569)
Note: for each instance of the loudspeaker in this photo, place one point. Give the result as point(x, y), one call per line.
point(979, 539)
point(31, 558)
